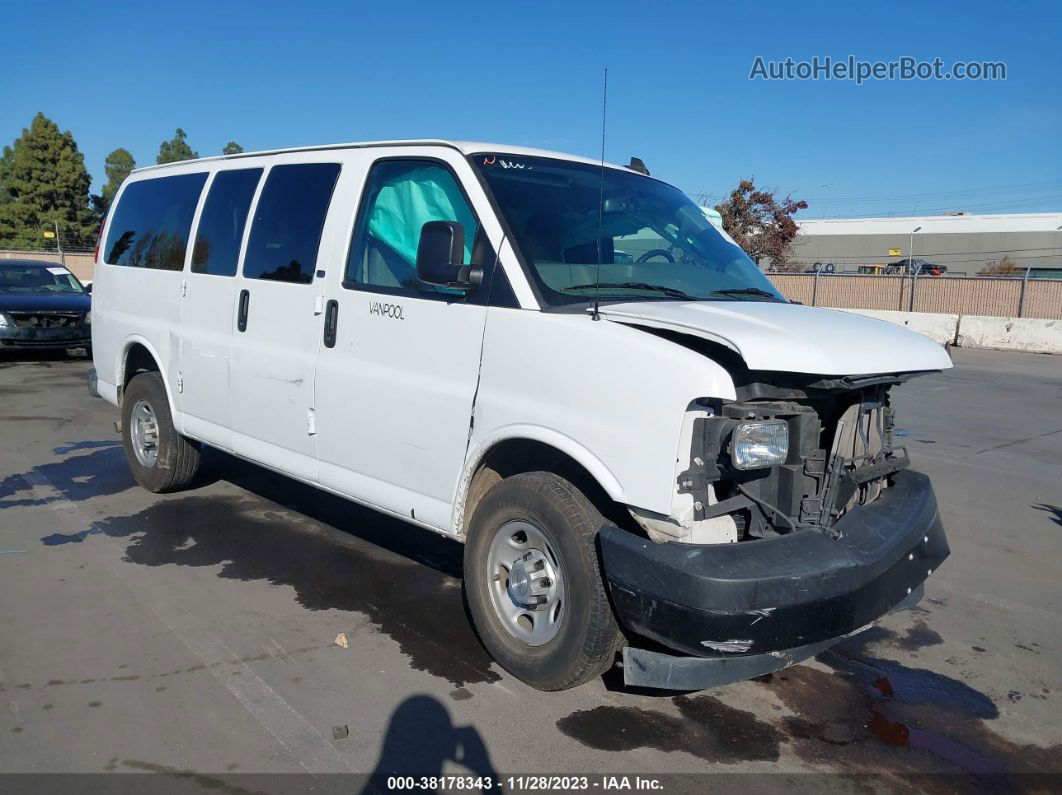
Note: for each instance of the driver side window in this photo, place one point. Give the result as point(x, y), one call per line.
point(400, 196)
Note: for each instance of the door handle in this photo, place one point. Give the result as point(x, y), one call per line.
point(331, 323)
point(241, 315)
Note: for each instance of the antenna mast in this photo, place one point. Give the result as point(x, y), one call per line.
point(601, 199)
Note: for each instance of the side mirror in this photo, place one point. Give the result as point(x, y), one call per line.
point(88, 288)
point(440, 254)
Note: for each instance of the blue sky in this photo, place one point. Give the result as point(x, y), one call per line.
point(279, 74)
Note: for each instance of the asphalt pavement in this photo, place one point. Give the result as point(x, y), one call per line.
point(253, 625)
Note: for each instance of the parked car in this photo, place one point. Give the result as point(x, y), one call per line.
point(654, 454)
point(919, 267)
point(43, 306)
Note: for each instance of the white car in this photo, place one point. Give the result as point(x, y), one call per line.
point(564, 366)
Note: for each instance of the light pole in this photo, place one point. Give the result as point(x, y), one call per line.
point(911, 266)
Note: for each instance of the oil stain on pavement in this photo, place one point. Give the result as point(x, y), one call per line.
point(868, 715)
point(705, 727)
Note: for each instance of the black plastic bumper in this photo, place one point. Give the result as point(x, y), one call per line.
point(44, 339)
point(783, 593)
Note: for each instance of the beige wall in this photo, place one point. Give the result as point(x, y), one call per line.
point(949, 294)
point(79, 263)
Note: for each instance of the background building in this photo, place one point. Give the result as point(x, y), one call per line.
point(963, 243)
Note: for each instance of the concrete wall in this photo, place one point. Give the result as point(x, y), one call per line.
point(938, 327)
point(1010, 334)
point(977, 331)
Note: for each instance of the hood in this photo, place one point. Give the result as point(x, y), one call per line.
point(45, 302)
point(791, 337)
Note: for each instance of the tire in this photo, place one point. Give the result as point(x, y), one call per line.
point(176, 458)
point(549, 511)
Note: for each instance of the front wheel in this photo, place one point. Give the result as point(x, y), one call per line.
point(160, 459)
point(533, 583)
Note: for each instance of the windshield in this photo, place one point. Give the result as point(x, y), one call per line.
point(648, 242)
point(35, 279)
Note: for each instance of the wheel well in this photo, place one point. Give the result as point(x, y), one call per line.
point(514, 456)
point(138, 359)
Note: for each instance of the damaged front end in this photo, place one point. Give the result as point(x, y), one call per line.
point(839, 455)
point(830, 534)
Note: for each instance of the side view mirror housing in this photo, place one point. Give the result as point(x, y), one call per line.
point(88, 288)
point(440, 256)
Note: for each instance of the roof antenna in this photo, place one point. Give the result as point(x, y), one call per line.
point(601, 202)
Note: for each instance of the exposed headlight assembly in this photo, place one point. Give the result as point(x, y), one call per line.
point(757, 445)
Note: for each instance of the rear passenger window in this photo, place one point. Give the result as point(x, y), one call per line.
point(151, 225)
point(288, 221)
point(220, 232)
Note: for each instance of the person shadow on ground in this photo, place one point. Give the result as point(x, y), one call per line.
point(421, 739)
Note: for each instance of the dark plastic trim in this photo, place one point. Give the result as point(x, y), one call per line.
point(778, 593)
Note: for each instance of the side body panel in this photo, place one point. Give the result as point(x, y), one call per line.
point(207, 315)
point(394, 396)
point(612, 397)
point(274, 358)
point(131, 306)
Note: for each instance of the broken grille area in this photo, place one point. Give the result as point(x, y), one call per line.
point(841, 454)
point(46, 319)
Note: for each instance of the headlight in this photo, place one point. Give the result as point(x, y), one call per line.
point(756, 445)
point(4, 320)
point(88, 318)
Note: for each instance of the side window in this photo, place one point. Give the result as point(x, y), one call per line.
point(220, 232)
point(288, 220)
point(400, 197)
point(152, 221)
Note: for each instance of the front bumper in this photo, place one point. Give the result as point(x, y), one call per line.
point(772, 598)
point(41, 339)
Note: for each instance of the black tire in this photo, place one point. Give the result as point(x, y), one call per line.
point(588, 637)
point(177, 457)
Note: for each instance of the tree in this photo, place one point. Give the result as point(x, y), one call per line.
point(177, 149)
point(999, 267)
point(232, 148)
point(761, 225)
point(44, 185)
point(117, 166)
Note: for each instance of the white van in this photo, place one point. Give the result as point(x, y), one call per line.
point(644, 447)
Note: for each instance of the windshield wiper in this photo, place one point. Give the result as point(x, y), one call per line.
point(656, 288)
point(747, 291)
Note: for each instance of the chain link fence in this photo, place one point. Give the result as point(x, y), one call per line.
point(1003, 296)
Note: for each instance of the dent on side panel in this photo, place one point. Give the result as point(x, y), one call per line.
point(616, 392)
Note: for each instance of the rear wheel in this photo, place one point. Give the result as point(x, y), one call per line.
point(533, 583)
point(160, 459)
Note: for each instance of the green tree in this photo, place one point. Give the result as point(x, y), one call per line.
point(44, 184)
point(232, 148)
point(117, 167)
point(176, 149)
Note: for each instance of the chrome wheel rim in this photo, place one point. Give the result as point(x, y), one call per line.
point(526, 583)
point(144, 433)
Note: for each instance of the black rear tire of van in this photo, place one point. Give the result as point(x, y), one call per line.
point(160, 459)
point(570, 636)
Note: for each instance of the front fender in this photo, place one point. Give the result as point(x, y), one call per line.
point(610, 396)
